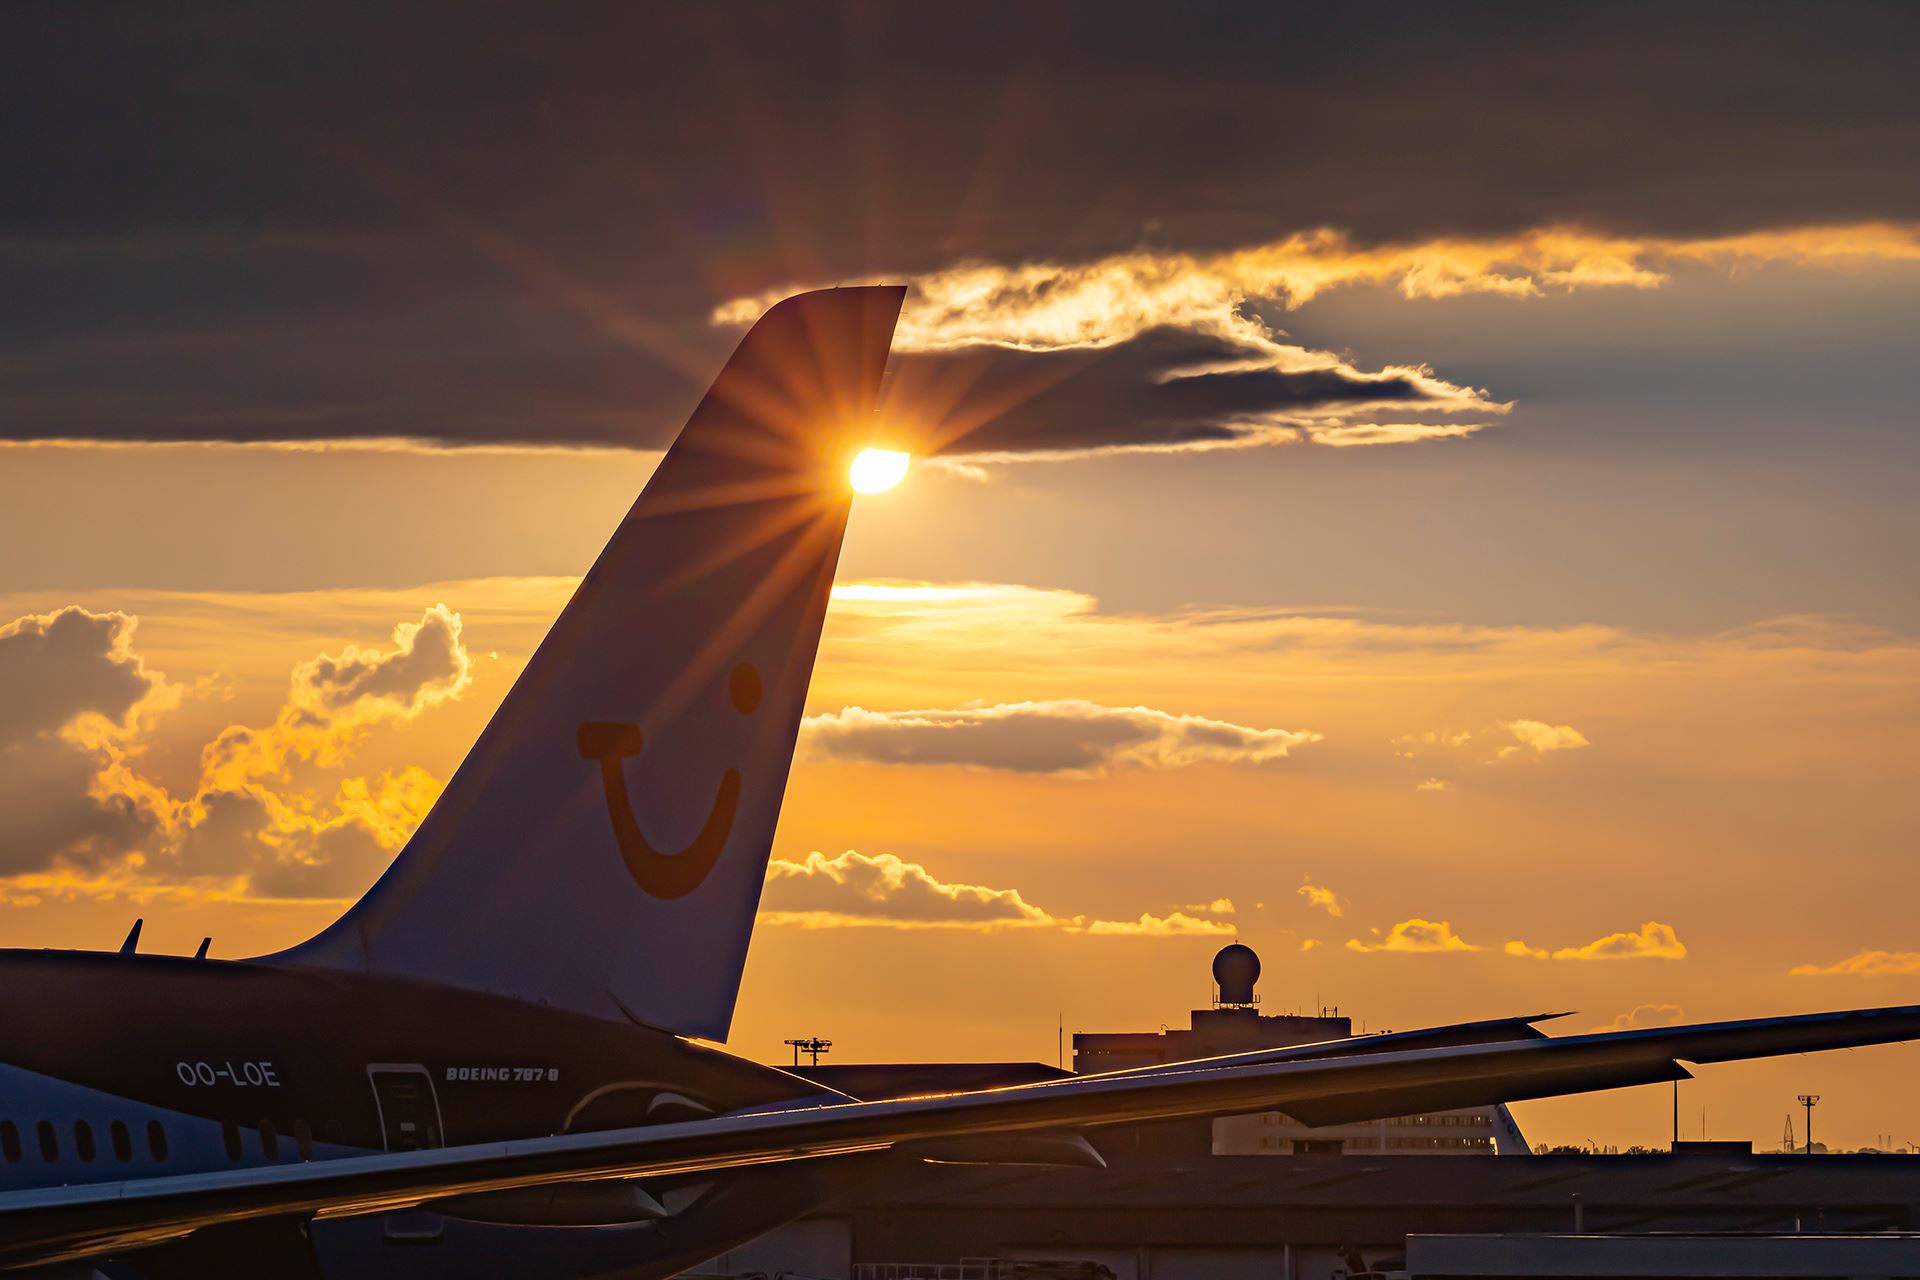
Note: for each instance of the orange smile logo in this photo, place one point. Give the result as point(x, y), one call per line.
point(666, 875)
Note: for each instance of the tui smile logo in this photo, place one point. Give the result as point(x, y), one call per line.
point(666, 875)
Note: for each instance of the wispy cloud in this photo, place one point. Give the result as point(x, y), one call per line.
point(1866, 963)
point(1322, 897)
point(1455, 752)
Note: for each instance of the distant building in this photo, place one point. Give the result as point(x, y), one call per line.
point(1236, 1025)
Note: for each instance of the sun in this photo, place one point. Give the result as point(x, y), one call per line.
point(877, 470)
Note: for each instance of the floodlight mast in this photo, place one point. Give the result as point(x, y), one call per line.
point(1808, 1100)
point(812, 1046)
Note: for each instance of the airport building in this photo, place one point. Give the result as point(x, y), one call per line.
point(1235, 1025)
point(1200, 1200)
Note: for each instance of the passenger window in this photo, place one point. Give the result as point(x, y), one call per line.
point(10, 1141)
point(230, 1132)
point(303, 1139)
point(157, 1139)
point(269, 1141)
point(122, 1141)
point(49, 1141)
point(83, 1139)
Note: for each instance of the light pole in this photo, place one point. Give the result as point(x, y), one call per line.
point(1807, 1100)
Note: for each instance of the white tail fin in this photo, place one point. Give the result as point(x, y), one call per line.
point(602, 847)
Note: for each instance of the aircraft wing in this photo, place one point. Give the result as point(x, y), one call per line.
point(62, 1223)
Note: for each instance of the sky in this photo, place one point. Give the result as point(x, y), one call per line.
point(1424, 491)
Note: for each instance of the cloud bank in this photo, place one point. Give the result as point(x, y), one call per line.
point(1064, 736)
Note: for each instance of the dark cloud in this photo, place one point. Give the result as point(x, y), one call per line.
point(57, 670)
point(1163, 387)
point(56, 666)
point(1063, 736)
point(509, 222)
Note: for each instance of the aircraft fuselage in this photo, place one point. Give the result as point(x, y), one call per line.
point(128, 1066)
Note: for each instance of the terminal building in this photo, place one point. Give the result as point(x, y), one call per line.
point(1260, 1197)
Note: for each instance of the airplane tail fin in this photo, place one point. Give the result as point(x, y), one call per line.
point(602, 847)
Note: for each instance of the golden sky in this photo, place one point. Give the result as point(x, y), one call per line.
point(1014, 800)
point(1448, 526)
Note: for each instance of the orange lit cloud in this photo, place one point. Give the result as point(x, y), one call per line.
point(1415, 936)
point(1175, 924)
point(1864, 963)
point(1322, 897)
point(1651, 941)
point(1539, 737)
point(884, 890)
point(248, 828)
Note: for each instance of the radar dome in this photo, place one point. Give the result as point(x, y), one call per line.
point(1235, 970)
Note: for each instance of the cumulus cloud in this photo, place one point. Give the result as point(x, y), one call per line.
point(1066, 736)
point(77, 708)
point(1644, 1016)
point(1864, 963)
point(286, 848)
point(1415, 936)
point(72, 696)
point(885, 890)
point(1651, 941)
point(240, 822)
point(1322, 897)
point(334, 700)
point(427, 664)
